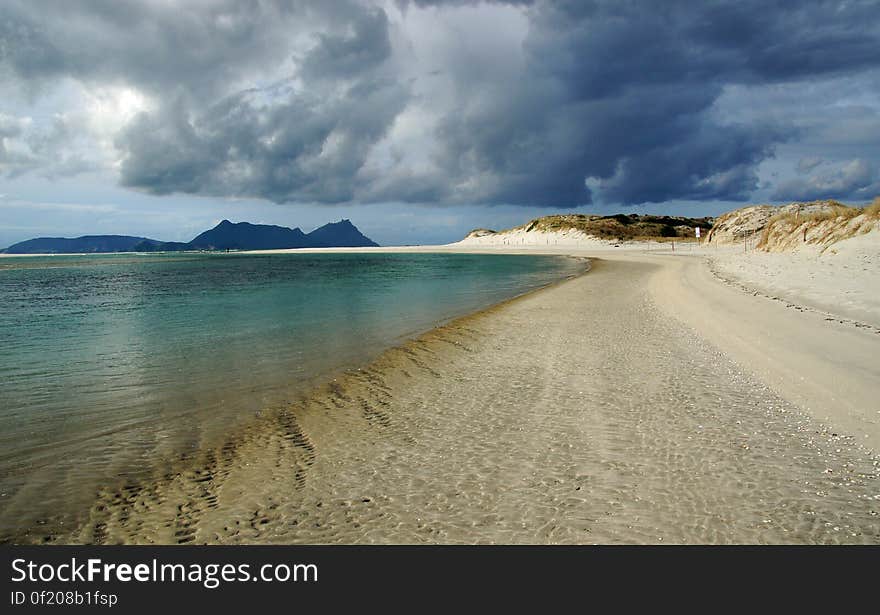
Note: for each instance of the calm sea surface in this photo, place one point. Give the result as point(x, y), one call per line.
point(111, 363)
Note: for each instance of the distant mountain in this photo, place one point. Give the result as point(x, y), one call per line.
point(88, 243)
point(225, 236)
point(338, 235)
point(247, 236)
point(151, 245)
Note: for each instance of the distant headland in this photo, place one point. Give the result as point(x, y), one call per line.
point(225, 236)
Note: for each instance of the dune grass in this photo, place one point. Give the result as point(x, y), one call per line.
point(827, 225)
point(833, 211)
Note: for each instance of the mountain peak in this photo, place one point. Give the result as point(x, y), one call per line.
point(338, 234)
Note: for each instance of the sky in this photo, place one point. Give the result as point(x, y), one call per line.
point(419, 120)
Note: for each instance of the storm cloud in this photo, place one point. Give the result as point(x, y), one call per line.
point(534, 103)
point(856, 179)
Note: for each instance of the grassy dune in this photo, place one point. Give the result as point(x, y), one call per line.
point(619, 227)
point(820, 227)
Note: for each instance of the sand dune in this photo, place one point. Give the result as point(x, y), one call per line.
point(643, 402)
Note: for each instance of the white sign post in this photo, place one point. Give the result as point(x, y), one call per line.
point(697, 232)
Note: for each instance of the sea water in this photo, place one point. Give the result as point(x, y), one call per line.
point(110, 364)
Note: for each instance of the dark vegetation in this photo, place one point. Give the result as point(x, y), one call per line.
point(622, 226)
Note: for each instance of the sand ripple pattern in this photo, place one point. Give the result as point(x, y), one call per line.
point(574, 415)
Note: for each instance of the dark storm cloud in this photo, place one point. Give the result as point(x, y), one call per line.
point(191, 47)
point(856, 180)
point(608, 99)
point(633, 84)
point(457, 3)
point(805, 165)
point(347, 55)
point(283, 142)
point(302, 149)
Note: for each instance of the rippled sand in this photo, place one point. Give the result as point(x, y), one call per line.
point(578, 414)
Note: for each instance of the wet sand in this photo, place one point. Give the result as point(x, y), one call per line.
point(617, 407)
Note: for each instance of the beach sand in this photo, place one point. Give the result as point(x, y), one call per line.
point(843, 280)
point(643, 402)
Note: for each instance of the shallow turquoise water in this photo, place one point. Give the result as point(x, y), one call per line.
point(111, 363)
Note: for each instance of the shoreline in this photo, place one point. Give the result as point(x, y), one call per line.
point(49, 530)
point(586, 412)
